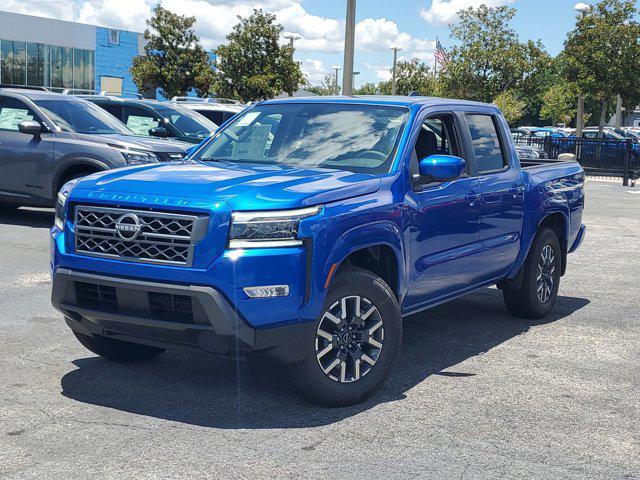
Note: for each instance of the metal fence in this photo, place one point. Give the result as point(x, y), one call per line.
point(614, 158)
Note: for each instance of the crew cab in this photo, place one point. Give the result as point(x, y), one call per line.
point(307, 228)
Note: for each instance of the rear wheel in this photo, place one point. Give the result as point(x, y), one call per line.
point(537, 295)
point(117, 350)
point(357, 339)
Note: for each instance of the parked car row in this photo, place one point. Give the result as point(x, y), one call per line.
point(48, 139)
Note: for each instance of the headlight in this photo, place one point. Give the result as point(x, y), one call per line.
point(61, 202)
point(268, 229)
point(138, 157)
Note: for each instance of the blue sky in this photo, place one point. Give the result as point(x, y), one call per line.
point(411, 24)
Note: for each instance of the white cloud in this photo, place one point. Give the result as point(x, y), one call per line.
point(314, 70)
point(445, 11)
point(124, 14)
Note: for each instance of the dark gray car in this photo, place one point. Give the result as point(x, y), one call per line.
point(47, 139)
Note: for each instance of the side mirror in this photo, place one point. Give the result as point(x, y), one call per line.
point(442, 168)
point(30, 127)
point(160, 132)
point(189, 150)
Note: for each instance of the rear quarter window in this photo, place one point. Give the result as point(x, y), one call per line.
point(487, 146)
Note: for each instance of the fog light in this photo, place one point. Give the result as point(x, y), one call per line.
point(268, 291)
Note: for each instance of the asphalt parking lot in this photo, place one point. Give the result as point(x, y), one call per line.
point(476, 393)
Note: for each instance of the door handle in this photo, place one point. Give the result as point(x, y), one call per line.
point(473, 197)
point(516, 190)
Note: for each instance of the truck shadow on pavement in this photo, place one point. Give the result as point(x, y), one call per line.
point(204, 391)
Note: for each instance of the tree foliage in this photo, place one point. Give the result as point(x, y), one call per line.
point(411, 76)
point(253, 65)
point(327, 87)
point(602, 53)
point(512, 108)
point(559, 103)
point(490, 60)
point(174, 61)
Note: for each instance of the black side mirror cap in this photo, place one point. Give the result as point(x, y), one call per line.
point(30, 127)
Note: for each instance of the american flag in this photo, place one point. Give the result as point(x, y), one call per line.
point(441, 54)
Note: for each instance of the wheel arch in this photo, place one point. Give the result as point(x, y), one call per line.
point(375, 247)
point(73, 166)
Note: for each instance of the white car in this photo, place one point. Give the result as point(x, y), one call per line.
point(218, 110)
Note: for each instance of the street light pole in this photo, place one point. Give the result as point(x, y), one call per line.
point(393, 71)
point(349, 46)
point(336, 68)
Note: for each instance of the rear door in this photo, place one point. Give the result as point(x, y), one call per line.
point(25, 160)
point(501, 189)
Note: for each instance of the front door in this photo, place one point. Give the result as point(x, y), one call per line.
point(25, 160)
point(444, 230)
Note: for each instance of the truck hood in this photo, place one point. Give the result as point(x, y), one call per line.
point(241, 186)
point(134, 142)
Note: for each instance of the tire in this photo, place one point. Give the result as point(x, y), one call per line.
point(117, 350)
point(536, 296)
point(368, 351)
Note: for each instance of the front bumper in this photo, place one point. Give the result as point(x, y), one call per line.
point(178, 317)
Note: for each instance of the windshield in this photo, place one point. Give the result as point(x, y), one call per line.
point(357, 138)
point(187, 122)
point(78, 116)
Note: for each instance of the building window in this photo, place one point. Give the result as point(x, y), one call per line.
point(13, 57)
point(38, 64)
point(41, 65)
point(114, 36)
point(83, 69)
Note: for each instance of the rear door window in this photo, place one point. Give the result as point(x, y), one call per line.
point(487, 145)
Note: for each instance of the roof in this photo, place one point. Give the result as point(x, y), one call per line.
point(34, 94)
point(377, 100)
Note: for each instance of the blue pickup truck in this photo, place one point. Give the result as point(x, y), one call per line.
point(307, 229)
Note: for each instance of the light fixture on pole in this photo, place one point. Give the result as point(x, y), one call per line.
point(292, 37)
point(393, 70)
point(349, 47)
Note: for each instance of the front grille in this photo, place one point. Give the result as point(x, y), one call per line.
point(133, 235)
point(171, 307)
point(96, 297)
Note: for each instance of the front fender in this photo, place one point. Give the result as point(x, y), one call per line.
point(369, 235)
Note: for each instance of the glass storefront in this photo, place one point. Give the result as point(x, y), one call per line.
point(42, 65)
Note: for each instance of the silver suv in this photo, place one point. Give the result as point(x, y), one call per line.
point(47, 139)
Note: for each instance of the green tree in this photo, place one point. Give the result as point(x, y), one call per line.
point(174, 61)
point(559, 103)
point(253, 65)
point(510, 105)
point(327, 86)
point(368, 88)
point(490, 59)
point(601, 54)
point(411, 76)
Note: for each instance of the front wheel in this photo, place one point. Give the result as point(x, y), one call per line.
point(537, 295)
point(357, 339)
